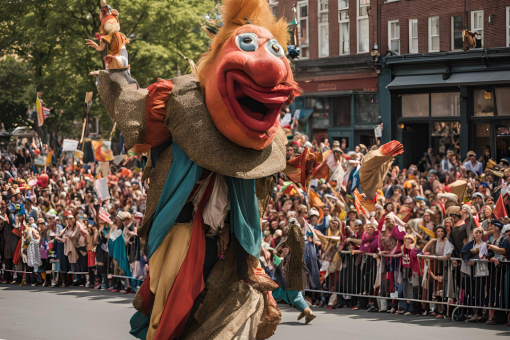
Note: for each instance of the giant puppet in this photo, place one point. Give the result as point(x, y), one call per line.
point(214, 141)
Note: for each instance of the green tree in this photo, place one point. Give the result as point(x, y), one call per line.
point(17, 92)
point(50, 36)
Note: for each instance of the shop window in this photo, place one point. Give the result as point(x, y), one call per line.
point(445, 136)
point(394, 36)
point(502, 128)
point(483, 103)
point(415, 105)
point(434, 34)
point(457, 27)
point(503, 101)
point(445, 104)
point(363, 23)
point(342, 111)
point(477, 27)
point(303, 29)
point(367, 109)
point(344, 25)
point(413, 35)
point(323, 29)
point(482, 137)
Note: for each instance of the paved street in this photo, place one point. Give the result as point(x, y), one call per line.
point(28, 313)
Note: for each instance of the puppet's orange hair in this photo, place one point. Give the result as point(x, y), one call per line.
point(240, 12)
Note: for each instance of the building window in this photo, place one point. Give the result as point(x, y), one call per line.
point(477, 27)
point(457, 27)
point(394, 36)
point(323, 29)
point(503, 101)
point(342, 111)
point(363, 25)
point(343, 21)
point(483, 103)
point(413, 35)
point(445, 104)
point(508, 26)
point(415, 105)
point(303, 29)
point(273, 4)
point(433, 34)
point(367, 109)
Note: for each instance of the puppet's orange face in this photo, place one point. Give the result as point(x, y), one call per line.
point(247, 86)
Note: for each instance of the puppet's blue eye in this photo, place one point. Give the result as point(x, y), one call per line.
point(247, 42)
point(274, 48)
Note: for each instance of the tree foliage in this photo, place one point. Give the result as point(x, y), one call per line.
point(48, 38)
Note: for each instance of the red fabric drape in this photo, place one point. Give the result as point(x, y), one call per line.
point(189, 282)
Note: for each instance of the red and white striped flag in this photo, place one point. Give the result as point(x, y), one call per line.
point(104, 216)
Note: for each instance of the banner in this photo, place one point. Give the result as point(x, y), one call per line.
point(101, 187)
point(102, 153)
point(40, 113)
point(78, 154)
point(69, 145)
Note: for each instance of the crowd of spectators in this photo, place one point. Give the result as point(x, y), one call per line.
point(55, 231)
point(427, 217)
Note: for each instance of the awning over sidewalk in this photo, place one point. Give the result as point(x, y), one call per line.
point(456, 79)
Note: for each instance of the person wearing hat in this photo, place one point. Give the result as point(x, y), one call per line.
point(119, 239)
point(437, 248)
point(472, 164)
point(477, 201)
point(475, 249)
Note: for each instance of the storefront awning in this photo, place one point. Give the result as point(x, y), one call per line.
point(305, 113)
point(456, 79)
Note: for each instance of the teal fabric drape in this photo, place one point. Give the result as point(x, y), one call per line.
point(182, 177)
point(244, 214)
point(292, 297)
point(117, 250)
point(139, 325)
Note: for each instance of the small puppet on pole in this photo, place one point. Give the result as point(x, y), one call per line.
point(112, 43)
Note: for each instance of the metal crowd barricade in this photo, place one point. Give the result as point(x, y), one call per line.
point(447, 283)
point(482, 285)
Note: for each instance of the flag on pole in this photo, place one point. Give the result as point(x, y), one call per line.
point(46, 112)
point(500, 210)
point(40, 112)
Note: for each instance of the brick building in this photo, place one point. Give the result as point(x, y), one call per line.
point(336, 69)
point(432, 93)
point(401, 63)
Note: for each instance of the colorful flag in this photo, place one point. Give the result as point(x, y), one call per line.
point(102, 153)
point(40, 112)
point(500, 210)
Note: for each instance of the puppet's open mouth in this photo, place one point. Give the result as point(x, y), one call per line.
point(256, 107)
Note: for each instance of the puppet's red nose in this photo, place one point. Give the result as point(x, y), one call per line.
point(267, 71)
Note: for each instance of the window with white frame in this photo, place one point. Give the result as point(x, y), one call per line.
point(477, 27)
point(343, 23)
point(394, 36)
point(508, 26)
point(433, 34)
point(273, 4)
point(413, 35)
point(303, 29)
point(363, 25)
point(323, 28)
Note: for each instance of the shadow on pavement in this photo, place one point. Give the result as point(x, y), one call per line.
point(78, 292)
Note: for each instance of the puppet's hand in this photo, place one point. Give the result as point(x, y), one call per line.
point(91, 44)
